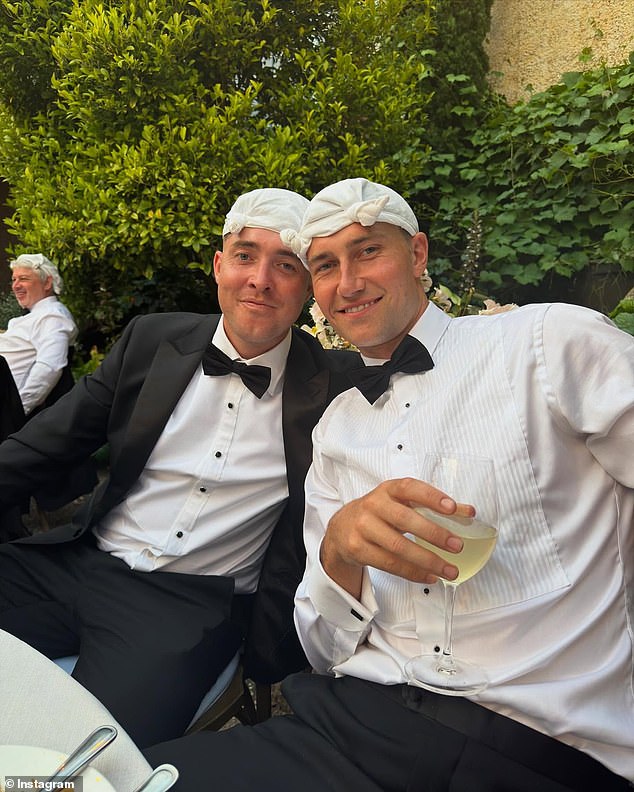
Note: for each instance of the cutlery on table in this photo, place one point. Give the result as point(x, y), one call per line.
point(85, 751)
point(160, 779)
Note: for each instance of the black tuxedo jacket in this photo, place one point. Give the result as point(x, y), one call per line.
point(126, 404)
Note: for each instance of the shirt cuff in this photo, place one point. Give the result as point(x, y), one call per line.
point(336, 605)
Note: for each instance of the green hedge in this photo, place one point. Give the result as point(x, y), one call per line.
point(9, 309)
point(151, 116)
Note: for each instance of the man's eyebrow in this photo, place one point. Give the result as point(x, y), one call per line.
point(284, 251)
point(320, 257)
point(251, 245)
point(241, 243)
point(358, 240)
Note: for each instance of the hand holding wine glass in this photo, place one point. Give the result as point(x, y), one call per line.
point(467, 480)
point(373, 531)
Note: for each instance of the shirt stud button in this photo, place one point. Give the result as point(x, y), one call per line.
point(179, 534)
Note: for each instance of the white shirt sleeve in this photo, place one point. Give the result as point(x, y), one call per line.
point(52, 334)
point(331, 624)
point(588, 366)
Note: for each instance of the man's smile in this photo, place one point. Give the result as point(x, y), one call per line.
point(358, 308)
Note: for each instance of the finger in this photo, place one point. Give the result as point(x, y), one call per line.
point(465, 510)
point(409, 520)
point(414, 491)
point(422, 559)
point(406, 559)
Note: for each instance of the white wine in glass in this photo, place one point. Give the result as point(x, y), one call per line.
point(467, 480)
point(478, 537)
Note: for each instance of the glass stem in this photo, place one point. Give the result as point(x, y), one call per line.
point(446, 662)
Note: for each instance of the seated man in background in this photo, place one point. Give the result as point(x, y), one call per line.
point(547, 393)
point(36, 345)
point(208, 420)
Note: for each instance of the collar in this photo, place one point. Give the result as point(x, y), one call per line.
point(429, 329)
point(42, 304)
point(274, 358)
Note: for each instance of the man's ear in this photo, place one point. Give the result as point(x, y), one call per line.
point(419, 250)
point(217, 263)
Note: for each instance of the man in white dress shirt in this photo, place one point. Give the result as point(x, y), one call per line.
point(197, 531)
point(36, 345)
point(547, 392)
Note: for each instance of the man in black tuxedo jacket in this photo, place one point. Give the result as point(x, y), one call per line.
point(156, 577)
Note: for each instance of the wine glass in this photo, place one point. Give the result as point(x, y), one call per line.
point(467, 480)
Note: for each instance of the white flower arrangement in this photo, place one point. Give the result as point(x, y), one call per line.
point(323, 331)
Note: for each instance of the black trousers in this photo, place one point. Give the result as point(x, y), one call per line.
point(150, 644)
point(348, 735)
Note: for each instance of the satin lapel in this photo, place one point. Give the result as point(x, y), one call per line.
point(305, 398)
point(169, 374)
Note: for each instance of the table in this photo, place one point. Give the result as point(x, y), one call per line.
point(42, 705)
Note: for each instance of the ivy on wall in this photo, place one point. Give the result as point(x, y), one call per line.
point(550, 182)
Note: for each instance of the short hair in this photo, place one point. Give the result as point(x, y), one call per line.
point(40, 264)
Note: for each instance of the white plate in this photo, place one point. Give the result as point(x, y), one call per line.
point(27, 760)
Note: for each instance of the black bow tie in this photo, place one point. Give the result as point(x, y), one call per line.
point(256, 378)
point(410, 356)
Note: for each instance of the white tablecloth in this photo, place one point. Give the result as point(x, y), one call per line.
point(42, 705)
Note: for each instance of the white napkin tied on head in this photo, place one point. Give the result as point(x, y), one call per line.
point(270, 208)
point(351, 201)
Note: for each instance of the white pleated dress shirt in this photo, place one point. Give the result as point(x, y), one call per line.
point(215, 484)
point(547, 391)
point(36, 348)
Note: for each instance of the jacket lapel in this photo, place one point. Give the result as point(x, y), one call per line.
point(168, 375)
point(305, 398)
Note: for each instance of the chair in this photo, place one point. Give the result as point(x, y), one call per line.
point(230, 696)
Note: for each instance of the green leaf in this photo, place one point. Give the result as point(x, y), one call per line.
point(625, 321)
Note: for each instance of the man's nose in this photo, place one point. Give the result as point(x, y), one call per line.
point(350, 280)
point(260, 276)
